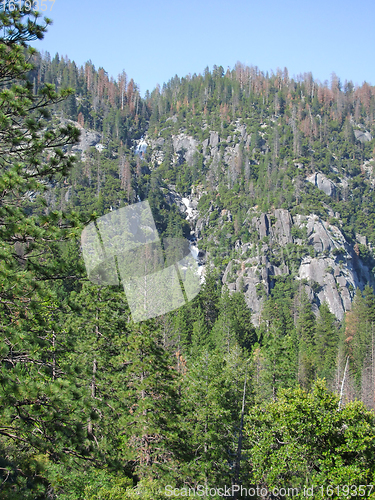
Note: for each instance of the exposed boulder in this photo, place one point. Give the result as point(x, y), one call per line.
point(68, 194)
point(183, 142)
point(319, 236)
point(204, 146)
point(228, 270)
point(175, 198)
point(283, 227)
point(323, 183)
point(262, 225)
point(361, 239)
point(362, 136)
point(88, 138)
point(153, 143)
point(214, 139)
point(242, 130)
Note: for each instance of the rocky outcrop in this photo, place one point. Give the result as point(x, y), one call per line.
point(184, 147)
point(331, 272)
point(254, 278)
point(88, 138)
point(323, 183)
point(187, 144)
point(283, 227)
point(187, 205)
point(173, 197)
point(262, 225)
point(320, 234)
point(362, 136)
point(320, 258)
point(333, 280)
point(214, 139)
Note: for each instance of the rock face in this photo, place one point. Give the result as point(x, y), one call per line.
point(334, 283)
point(324, 263)
point(321, 235)
point(175, 198)
point(262, 225)
point(330, 275)
point(283, 226)
point(214, 139)
point(88, 138)
point(362, 136)
point(306, 247)
point(184, 147)
point(187, 206)
point(323, 183)
point(183, 142)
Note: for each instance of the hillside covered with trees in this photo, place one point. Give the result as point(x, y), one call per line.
point(266, 380)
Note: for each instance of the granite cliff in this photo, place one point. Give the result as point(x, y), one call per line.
point(312, 250)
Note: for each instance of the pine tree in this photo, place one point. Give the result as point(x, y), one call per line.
point(209, 296)
point(39, 406)
point(223, 333)
point(369, 297)
point(305, 330)
point(233, 325)
point(150, 434)
point(359, 339)
point(130, 383)
point(326, 340)
point(208, 419)
point(182, 328)
point(278, 365)
point(200, 337)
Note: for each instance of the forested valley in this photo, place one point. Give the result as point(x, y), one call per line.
point(266, 379)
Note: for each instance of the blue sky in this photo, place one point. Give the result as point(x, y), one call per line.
point(155, 40)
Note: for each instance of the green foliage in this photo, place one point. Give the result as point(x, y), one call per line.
point(233, 324)
point(276, 359)
point(326, 339)
point(304, 440)
point(93, 406)
point(87, 483)
point(306, 333)
point(213, 391)
point(41, 410)
point(359, 338)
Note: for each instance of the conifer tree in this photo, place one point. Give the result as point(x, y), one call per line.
point(151, 438)
point(208, 419)
point(233, 325)
point(130, 383)
point(326, 340)
point(200, 337)
point(278, 361)
point(305, 330)
point(359, 339)
point(38, 406)
point(209, 296)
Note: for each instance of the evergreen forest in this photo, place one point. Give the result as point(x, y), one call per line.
point(263, 385)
